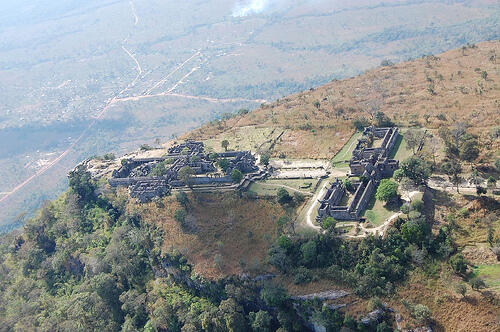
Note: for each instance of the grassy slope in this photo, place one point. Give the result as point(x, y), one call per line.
point(402, 92)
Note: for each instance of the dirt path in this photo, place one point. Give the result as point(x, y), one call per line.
point(107, 105)
point(165, 79)
point(136, 18)
point(314, 203)
point(364, 232)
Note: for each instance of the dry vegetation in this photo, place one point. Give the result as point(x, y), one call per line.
point(239, 230)
point(450, 312)
point(428, 92)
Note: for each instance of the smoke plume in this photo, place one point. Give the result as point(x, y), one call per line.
point(249, 7)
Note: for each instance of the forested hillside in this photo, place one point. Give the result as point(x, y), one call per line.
point(95, 259)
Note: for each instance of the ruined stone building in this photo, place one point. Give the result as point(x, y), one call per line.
point(136, 173)
point(370, 162)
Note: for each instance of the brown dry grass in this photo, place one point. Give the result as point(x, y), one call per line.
point(218, 224)
point(449, 311)
point(401, 91)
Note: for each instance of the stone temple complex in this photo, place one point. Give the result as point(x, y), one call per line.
point(369, 164)
point(145, 183)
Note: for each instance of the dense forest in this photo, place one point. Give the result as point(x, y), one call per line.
point(86, 263)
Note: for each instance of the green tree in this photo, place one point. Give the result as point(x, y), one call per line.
point(182, 198)
point(186, 174)
point(309, 252)
point(329, 224)
point(236, 176)
point(413, 139)
point(453, 168)
point(283, 196)
point(225, 144)
point(274, 296)
point(360, 123)
point(491, 182)
point(180, 216)
point(81, 184)
point(260, 321)
point(223, 164)
point(481, 191)
point(461, 289)
point(264, 158)
point(469, 149)
point(387, 191)
point(416, 169)
point(284, 242)
point(382, 120)
point(286, 224)
point(458, 263)
point(348, 184)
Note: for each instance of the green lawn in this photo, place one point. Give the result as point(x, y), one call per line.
point(400, 151)
point(345, 154)
point(489, 273)
point(270, 187)
point(376, 212)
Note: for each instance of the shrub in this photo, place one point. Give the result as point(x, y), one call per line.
point(461, 289)
point(264, 159)
point(109, 156)
point(360, 123)
point(477, 283)
point(236, 176)
point(302, 275)
point(458, 263)
point(421, 313)
point(180, 216)
point(146, 147)
point(417, 205)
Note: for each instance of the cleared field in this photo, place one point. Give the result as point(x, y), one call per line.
point(400, 151)
point(243, 138)
point(490, 274)
point(345, 153)
point(376, 212)
point(270, 187)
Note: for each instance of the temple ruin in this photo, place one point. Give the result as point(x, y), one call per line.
point(369, 164)
point(137, 174)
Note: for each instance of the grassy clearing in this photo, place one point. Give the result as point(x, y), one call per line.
point(240, 230)
point(270, 187)
point(400, 151)
point(345, 153)
point(376, 212)
point(490, 274)
point(242, 138)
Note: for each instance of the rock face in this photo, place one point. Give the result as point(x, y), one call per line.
point(322, 296)
point(136, 173)
point(371, 163)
